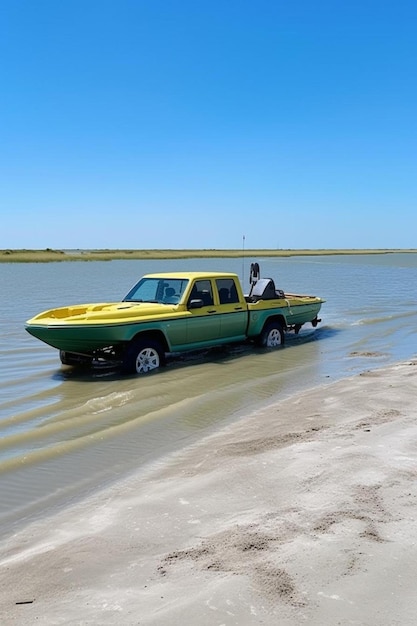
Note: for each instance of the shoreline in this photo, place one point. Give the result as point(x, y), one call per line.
point(50, 255)
point(310, 518)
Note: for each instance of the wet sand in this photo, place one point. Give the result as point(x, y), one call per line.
point(304, 512)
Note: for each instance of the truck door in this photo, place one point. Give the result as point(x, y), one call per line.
point(233, 313)
point(203, 324)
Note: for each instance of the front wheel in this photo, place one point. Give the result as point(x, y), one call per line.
point(143, 356)
point(272, 335)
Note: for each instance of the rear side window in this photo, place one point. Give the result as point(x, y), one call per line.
point(227, 290)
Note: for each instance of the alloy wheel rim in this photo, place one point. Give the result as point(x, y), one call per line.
point(147, 360)
point(274, 338)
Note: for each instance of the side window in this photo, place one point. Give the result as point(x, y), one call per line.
point(202, 291)
point(227, 290)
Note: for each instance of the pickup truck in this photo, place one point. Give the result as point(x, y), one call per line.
point(174, 313)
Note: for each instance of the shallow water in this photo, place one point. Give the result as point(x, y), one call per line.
point(65, 432)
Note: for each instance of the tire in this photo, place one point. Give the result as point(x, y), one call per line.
point(272, 335)
point(71, 358)
point(143, 356)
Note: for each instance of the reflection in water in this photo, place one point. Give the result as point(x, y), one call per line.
point(66, 431)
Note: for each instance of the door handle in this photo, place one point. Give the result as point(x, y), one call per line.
point(212, 311)
point(238, 308)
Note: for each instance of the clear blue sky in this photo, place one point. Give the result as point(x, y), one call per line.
point(188, 124)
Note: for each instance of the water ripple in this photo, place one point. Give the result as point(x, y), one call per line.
point(63, 431)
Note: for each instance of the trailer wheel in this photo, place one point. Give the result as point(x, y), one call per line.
point(272, 335)
point(71, 358)
point(143, 356)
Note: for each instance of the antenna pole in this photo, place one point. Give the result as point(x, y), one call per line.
point(243, 260)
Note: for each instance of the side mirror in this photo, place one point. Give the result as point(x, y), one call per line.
point(196, 304)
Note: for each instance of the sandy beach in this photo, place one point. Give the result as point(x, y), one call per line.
point(304, 512)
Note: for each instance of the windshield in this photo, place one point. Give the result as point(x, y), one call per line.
point(162, 290)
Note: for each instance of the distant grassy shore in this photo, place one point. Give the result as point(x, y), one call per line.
point(49, 255)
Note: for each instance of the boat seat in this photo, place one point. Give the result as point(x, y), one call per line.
point(263, 289)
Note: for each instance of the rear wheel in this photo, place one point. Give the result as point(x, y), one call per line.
point(272, 335)
point(143, 356)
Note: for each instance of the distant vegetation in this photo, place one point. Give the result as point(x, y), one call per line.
point(49, 255)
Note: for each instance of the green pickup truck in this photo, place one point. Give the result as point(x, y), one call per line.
point(173, 313)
